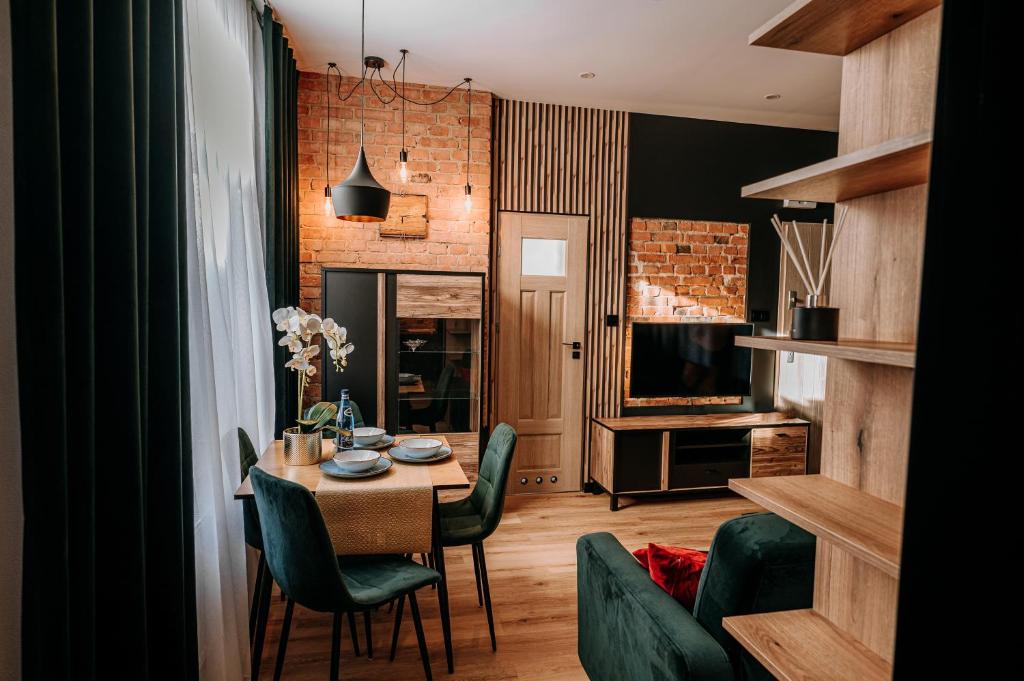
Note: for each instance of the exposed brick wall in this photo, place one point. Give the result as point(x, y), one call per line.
point(436, 141)
point(686, 271)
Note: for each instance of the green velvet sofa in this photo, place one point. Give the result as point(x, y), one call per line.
point(630, 629)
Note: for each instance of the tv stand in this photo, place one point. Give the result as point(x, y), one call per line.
point(638, 455)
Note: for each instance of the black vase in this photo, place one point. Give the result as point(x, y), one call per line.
point(815, 323)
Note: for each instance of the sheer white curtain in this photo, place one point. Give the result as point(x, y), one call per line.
point(230, 344)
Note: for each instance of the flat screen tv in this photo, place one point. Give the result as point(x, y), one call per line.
point(688, 360)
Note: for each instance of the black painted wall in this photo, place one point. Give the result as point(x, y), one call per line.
point(692, 169)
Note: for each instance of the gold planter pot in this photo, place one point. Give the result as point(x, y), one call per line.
point(301, 449)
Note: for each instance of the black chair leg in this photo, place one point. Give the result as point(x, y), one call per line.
point(398, 627)
point(369, 634)
point(487, 594)
point(335, 646)
point(283, 645)
point(424, 655)
point(355, 634)
point(254, 609)
point(263, 597)
point(476, 573)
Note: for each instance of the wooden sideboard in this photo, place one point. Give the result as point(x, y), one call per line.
point(637, 455)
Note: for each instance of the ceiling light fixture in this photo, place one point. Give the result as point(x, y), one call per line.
point(588, 75)
point(328, 201)
point(361, 198)
point(773, 96)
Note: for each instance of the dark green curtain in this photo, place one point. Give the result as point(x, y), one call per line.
point(282, 209)
point(109, 583)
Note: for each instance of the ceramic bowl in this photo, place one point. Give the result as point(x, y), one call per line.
point(421, 447)
point(366, 436)
point(356, 460)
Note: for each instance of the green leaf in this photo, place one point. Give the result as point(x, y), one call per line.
point(318, 417)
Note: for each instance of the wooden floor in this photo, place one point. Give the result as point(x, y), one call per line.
point(532, 564)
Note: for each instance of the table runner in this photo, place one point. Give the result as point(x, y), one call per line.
point(388, 513)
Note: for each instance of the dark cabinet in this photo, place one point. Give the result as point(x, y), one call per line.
point(418, 347)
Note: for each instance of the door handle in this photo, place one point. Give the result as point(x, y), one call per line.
point(575, 344)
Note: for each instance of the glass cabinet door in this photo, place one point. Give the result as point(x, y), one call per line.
point(438, 375)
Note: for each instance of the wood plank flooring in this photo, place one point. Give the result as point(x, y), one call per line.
point(532, 564)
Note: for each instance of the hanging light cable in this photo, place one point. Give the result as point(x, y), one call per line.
point(360, 198)
point(328, 202)
point(403, 155)
point(469, 127)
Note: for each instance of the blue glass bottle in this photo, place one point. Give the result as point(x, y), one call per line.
point(346, 422)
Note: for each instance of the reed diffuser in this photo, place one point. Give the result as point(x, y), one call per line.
point(814, 320)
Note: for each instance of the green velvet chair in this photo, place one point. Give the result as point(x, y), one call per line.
point(301, 559)
point(629, 628)
point(471, 520)
point(260, 608)
point(357, 416)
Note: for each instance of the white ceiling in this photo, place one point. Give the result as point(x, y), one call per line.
point(674, 57)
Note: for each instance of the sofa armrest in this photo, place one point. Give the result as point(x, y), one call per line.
point(629, 628)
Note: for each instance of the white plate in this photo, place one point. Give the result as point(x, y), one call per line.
point(382, 443)
point(400, 453)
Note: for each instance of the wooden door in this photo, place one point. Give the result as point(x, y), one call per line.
point(541, 272)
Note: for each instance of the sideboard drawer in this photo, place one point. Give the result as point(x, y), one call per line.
point(778, 451)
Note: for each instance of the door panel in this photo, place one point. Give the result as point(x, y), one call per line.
point(539, 389)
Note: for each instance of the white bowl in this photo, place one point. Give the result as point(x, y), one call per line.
point(421, 447)
point(365, 436)
point(356, 460)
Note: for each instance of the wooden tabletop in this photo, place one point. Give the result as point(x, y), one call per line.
point(447, 474)
point(699, 421)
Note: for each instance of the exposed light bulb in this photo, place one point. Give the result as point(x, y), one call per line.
point(328, 201)
point(468, 204)
point(403, 166)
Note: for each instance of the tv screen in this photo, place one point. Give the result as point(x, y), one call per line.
point(688, 360)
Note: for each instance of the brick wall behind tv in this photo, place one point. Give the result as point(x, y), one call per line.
point(436, 140)
point(686, 271)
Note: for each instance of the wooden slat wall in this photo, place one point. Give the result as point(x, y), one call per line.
point(571, 160)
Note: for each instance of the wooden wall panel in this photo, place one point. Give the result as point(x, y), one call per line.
point(571, 160)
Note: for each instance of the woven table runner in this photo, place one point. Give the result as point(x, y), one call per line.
point(388, 513)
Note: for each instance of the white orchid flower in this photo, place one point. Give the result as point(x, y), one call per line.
point(310, 352)
point(311, 370)
point(349, 349)
point(298, 364)
point(329, 325)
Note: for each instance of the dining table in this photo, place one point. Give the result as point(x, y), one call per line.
point(446, 474)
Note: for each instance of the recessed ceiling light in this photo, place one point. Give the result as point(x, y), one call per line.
point(588, 75)
point(773, 96)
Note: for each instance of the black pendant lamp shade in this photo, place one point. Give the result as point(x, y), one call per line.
point(361, 198)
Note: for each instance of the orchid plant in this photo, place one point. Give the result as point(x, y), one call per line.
point(300, 330)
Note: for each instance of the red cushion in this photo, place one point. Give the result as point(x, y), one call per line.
point(675, 569)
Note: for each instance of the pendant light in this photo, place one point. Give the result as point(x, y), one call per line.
point(469, 126)
point(328, 201)
point(403, 155)
point(361, 198)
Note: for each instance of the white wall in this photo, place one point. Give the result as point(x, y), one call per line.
point(10, 439)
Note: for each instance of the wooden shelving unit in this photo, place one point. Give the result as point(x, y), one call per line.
point(874, 352)
point(838, 28)
point(860, 523)
point(862, 407)
point(894, 164)
point(797, 645)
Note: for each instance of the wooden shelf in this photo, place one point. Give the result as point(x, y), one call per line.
point(836, 26)
point(894, 164)
point(874, 352)
point(864, 525)
point(795, 645)
point(700, 421)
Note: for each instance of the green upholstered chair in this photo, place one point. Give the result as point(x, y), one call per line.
point(357, 415)
point(470, 520)
point(260, 608)
point(629, 628)
point(301, 558)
